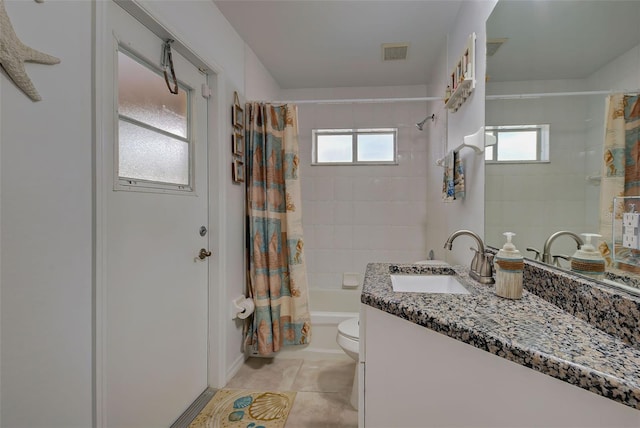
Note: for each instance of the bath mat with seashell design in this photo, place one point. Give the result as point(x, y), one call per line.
point(242, 408)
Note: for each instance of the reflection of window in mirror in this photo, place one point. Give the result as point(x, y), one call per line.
point(518, 143)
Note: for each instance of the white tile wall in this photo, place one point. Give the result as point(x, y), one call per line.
point(354, 215)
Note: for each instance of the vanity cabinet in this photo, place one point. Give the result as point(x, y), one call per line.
point(412, 376)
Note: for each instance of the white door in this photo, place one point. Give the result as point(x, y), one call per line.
point(156, 199)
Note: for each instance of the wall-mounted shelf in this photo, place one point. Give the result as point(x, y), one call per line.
point(462, 80)
point(460, 95)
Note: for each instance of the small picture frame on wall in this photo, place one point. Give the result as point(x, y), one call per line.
point(238, 171)
point(237, 112)
point(237, 143)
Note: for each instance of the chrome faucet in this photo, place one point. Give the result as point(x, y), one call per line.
point(481, 267)
point(535, 251)
point(546, 251)
point(558, 257)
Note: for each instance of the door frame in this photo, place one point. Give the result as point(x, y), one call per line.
point(216, 351)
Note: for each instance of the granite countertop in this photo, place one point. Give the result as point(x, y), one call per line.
point(530, 331)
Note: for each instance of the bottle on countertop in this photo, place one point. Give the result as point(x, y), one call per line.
point(509, 265)
point(587, 260)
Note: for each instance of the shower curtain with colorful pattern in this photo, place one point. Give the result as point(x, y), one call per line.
point(277, 278)
point(620, 169)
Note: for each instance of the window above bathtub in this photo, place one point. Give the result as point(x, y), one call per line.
point(371, 146)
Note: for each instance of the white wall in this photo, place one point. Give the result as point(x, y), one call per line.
point(47, 208)
point(259, 84)
point(46, 241)
point(354, 215)
point(620, 74)
point(469, 212)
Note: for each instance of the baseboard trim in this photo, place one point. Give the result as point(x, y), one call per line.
point(313, 354)
point(235, 367)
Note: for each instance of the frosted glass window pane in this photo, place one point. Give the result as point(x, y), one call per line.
point(148, 155)
point(143, 95)
point(375, 147)
point(518, 146)
point(334, 148)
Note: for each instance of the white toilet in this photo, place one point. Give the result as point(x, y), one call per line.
point(348, 339)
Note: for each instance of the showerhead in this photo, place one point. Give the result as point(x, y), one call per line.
point(420, 125)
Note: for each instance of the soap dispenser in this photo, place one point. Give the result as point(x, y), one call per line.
point(587, 260)
point(509, 265)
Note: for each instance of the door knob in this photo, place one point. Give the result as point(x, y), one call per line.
point(204, 254)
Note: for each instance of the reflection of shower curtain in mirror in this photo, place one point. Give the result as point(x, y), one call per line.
point(277, 278)
point(621, 166)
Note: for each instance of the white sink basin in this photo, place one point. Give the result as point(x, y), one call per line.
point(448, 284)
point(432, 263)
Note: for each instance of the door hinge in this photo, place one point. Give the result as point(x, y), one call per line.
point(206, 91)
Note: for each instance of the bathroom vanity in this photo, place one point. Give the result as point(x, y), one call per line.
point(443, 359)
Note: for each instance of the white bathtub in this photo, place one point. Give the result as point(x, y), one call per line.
point(328, 309)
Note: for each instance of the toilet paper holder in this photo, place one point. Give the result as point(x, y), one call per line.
point(242, 307)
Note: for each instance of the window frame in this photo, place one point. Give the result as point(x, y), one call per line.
point(542, 142)
point(143, 185)
point(354, 133)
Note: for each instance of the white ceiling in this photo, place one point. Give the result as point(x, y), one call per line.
point(568, 39)
point(329, 43)
point(320, 44)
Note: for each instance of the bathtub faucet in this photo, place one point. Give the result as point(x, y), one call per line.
point(481, 267)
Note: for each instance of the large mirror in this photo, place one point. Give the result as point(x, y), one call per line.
point(551, 65)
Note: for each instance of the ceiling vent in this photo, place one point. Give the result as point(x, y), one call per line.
point(494, 44)
point(394, 51)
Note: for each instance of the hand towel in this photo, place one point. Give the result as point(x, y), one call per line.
point(448, 185)
point(458, 177)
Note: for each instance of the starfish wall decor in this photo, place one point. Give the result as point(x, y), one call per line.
point(14, 53)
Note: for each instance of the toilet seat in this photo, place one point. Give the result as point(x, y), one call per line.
point(350, 329)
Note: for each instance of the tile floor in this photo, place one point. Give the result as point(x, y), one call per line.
point(323, 388)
